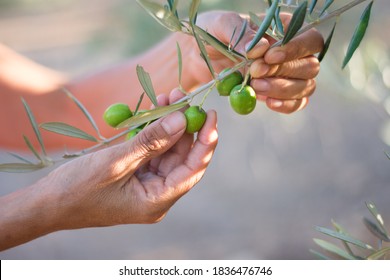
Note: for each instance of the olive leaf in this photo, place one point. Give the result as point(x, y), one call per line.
point(194, 11)
point(20, 157)
point(146, 83)
point(254, 19)
point(344, 237)
point(240, 35)
point(312, 6)
point(164, 16)
point(151, 115)
point(217, 44)
point(327, 44)
point(340, 229)
point(67, 130)
point(139, 103)
point(264, 25)
point(20, 167)
point(378, 217)
point(296, 22)
point(180, 61)
point(203, 52)
point(319, 255)
point(375, 230)
point(278, 21)
point(84, 110)
point(173, 6)
point(358, 34)
point(31, 147)
point(377, 255)
point(326, 6)
point(34, 125)
point(333, 249)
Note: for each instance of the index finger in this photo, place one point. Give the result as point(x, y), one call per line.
point(186, 175)
point(308, 43)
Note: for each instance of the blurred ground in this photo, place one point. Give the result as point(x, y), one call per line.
point(274, 177)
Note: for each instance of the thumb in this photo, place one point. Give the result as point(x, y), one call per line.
point(156, 138)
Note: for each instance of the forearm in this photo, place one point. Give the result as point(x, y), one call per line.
point(96, 91)
point(25, 215)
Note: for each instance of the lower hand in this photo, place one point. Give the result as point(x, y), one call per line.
point(139, 180)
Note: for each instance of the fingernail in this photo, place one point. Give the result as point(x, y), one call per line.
point(174, 123)
point(276, 103)
point(261, 85)
point(258, 70)
point(276, 57)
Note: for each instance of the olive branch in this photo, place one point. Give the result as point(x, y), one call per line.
point(355, 249)
point(305, 15)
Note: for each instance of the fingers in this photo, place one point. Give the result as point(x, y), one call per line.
point(286, 106)
point(185, 176)
point(304, 68)
point(308, 43)
point(152, 141)
point(284, 89)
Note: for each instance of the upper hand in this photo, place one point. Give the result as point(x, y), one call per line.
point(283, 77)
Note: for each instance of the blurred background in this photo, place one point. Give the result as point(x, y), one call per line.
point(274, 177)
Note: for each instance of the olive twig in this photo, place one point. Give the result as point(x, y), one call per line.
point(323, 19)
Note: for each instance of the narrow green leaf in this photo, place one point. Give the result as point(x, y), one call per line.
point(20, 158)
point(296, 22)
point(278, 21)
point(194, 10)
point(180, 61)
point(203, 52)
point(378, 217)
point(344, 237)
point(326, 6)
point(163, 16)
point(375, 230)
point(340, 229)
point(269, 3)
point(146, 84)
point(333, 249)
point(264, 25)
point(312, 6)
point(240, 35)
point(139, 103)
point(84, 110)
point(34, 125)
point(231, 37)
point(31, 147)
point(151, 115)
point(358, 34)
point(319, 255)
point(327, 44)
point(67, 130)
point(173, 6)
point(377, 255)
point(255, 19)
point(20, 167)
point(214, 42)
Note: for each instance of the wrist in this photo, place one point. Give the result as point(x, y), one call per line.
point(27, 214)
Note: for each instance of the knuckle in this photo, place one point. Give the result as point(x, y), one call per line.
point(152, 140)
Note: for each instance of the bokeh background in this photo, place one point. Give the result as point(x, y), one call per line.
point(274, 177)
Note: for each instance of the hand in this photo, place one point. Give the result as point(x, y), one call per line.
point(137, 181)
point(283, 77)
